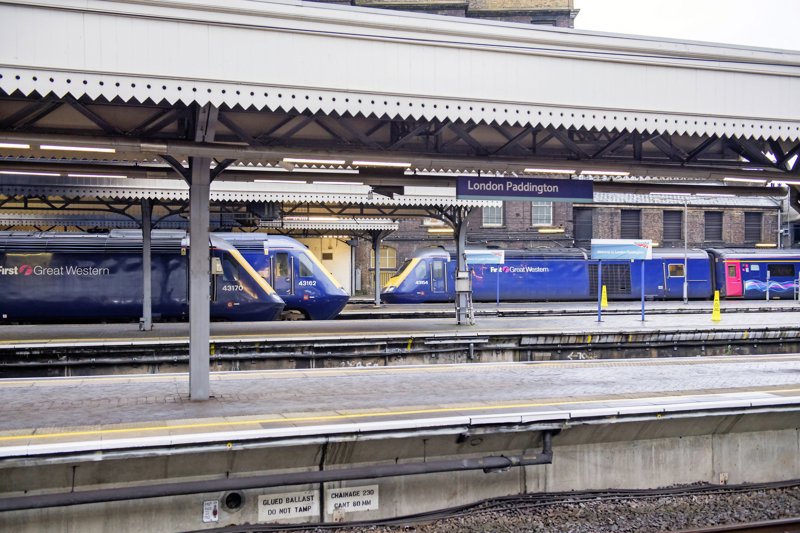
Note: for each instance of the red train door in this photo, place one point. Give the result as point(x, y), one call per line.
point(733, 279)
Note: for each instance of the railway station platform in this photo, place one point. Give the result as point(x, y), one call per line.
point(272, 447)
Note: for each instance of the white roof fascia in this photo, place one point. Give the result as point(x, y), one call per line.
point(222, 191)
point(334, 59)
point(352, 224)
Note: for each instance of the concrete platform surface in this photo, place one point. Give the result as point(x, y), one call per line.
point(58, 415)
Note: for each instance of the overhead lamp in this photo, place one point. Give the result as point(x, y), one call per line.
point(293, 182)
point(78, 148)
point(785, 182)
point(95, 176)
point(15, 145)
point(389, 164)
point(670, 193)
point(551, 230)
point(440, 230)
point(550, 171)
point(23, 173)
point(302, 161)
point(766, 245)
point(604, 173)
point(745, 180)
point(717, 195)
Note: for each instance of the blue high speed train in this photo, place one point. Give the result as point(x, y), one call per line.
point(308, 288)
point(569, 274)
point(68, 276)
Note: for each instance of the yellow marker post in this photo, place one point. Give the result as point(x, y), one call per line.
point(716, 316)
point(604, 299)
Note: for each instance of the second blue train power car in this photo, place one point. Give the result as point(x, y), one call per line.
point(569, 274)
point(308, 288)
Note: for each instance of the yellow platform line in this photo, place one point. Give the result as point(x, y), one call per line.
point(328, 418)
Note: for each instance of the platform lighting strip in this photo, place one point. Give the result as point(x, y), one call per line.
point(115, 176)
point(21, 173)
point(745, 180)
point(15, 145)
point(551, 230)
point(766, 245)
point(389, 164)
point(785, 182)
point(550, 171)
point(604, 173)
point(78, 148)
point(440, 230)
point(302, 161)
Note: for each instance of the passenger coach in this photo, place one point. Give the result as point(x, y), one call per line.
point(70, 276)
point(752, 273)
point(562, 274)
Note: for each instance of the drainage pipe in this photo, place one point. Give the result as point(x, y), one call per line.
point(488, 464)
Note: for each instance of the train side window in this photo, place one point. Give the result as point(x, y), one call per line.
point(676, 270)
point(438, 270)
point(785, 270)
point(421, 270)
point(281, 265)
point(305, 269)
point(731, 271)
point(230, 270)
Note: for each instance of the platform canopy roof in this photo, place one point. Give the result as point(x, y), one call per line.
point(290, 78)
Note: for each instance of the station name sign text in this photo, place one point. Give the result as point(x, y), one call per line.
point(550, 190)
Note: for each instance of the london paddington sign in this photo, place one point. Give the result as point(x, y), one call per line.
point(549, 190)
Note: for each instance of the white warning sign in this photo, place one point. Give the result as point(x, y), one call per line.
point(211, 511)
point(273, 507)
point(353, 499)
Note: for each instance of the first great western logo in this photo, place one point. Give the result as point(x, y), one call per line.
point(67, 270)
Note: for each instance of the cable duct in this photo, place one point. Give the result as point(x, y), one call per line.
point(494, 463)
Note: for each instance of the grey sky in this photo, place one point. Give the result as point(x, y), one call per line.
point(759, 23)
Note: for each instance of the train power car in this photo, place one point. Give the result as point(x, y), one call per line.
point(82, 277)
point(308, 288)
point(563, 274)
point(752, 273)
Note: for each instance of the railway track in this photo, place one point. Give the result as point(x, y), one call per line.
point(785, 525)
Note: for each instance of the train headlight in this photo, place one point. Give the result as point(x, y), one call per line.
point(390, 288)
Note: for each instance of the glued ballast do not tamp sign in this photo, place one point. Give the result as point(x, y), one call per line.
point(287, 505)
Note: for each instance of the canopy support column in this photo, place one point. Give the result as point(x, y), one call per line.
point(377, 236)
point(199, 274)
point(199, 177)
point(146, 322)
point(457, 218)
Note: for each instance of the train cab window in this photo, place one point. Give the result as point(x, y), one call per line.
point(676, 270)
point(403, 266)
point(266, 271)
point(783, 270)
point(230, 270)
point(305, 268)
